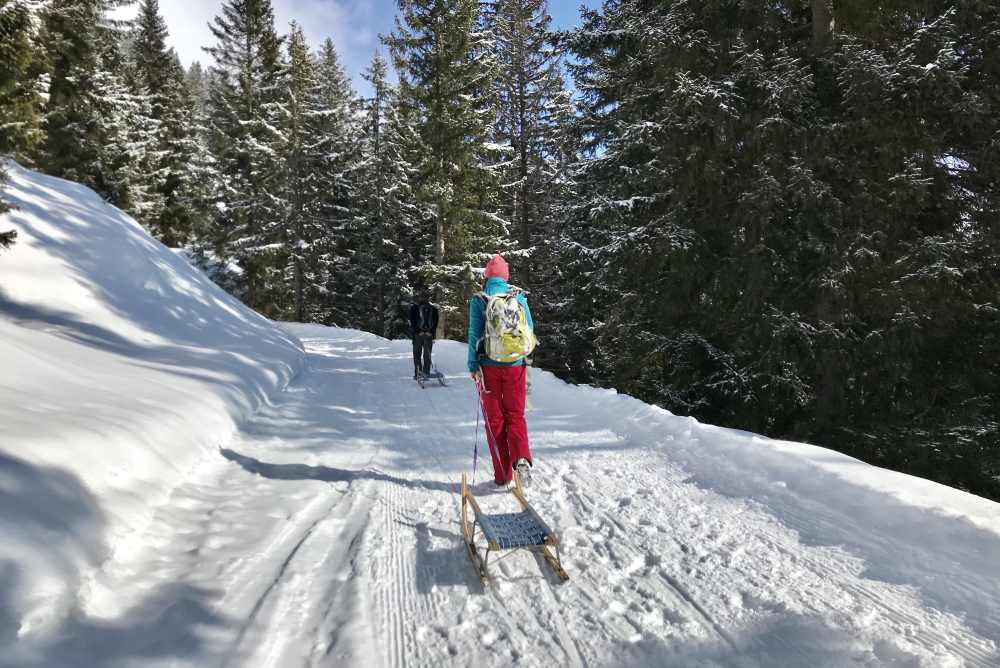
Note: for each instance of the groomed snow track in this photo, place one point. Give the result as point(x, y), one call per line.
point(326, 534)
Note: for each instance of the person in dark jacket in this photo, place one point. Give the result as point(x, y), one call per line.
point(423, 327)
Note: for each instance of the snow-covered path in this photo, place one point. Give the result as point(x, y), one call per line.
point(326, 534)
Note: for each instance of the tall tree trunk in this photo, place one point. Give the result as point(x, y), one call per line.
point(300, 300)
point(439, 259)
point(523, 170)
point(822, 24)
point(297, 212)
point(440, 223)
point(380, 226)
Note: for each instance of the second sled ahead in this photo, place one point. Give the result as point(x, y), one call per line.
point(501, 532)
point(424, 380)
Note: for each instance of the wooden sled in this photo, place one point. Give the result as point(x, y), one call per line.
point(423, 381)
point(524, 530)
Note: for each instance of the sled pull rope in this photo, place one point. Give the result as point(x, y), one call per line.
point(475, 445)
point(490, 440)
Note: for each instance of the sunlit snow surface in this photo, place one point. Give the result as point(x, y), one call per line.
point(167, 500)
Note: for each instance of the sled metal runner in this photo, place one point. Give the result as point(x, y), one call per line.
point(523, 530)
point(422, 380)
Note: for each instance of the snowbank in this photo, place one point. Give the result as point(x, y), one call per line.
point(121, 366)
point(743, 464)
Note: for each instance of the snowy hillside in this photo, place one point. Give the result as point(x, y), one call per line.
point(180, 485)
point(123, 368)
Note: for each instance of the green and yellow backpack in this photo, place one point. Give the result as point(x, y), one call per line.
point(507, 336)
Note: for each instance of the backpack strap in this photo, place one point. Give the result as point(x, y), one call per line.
point(512, 292)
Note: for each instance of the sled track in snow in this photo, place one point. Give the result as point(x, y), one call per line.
point(291, 540)
point(392, 583)
point(705, 618)
point(657, 563)
point(628, 556)
point(337, 575)
point(400, 606)
point(636, 540)
point(974, 651)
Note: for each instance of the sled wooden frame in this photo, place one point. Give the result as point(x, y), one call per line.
point(545, 542)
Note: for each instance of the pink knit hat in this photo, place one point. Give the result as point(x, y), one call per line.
point(497, 266)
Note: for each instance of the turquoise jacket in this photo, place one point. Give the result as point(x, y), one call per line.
point(477, 323)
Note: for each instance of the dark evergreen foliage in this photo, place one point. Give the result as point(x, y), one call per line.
point(84, 139)
point(777, 216)
point(247, 85)
point(198, 180)
point(19, 81)
point(338, 136)
point(7, 237)
point(443, 58)
point(174, 206)
point(18, 93)
point(796, 237)
point(534, 122)
point(395, 236)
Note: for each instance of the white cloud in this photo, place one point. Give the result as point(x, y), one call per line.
point(187, 23)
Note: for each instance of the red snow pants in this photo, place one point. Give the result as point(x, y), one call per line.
point(503, 404)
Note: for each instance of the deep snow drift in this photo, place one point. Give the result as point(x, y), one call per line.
point(163, 504)
point(122, 368)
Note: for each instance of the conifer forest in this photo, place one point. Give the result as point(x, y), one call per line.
point(782, 216)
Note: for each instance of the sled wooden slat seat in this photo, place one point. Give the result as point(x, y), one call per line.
point(507, 531)
point(513, 530)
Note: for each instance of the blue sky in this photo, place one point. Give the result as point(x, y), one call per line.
point(354, 25)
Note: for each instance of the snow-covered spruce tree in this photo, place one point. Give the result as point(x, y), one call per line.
point(621, 233)
point(82, 135)
point(197, 85)
point(918, 265)
point(304, 151)
point(199, 179)
point(298, 163)
point(338, 135)
point(172, 208)
point(19, 100)
point(127, 157)
point(396, 236)
point(190, 177)
point(123, 120)
point(149, 67)
point(787, 230)
point(534, 106)
point(247, 84)
point(535, 122)
point(443, 58)
point(151, 59)
point(981, 435)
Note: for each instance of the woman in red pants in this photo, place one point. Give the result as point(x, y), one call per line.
point(500, 338)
